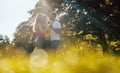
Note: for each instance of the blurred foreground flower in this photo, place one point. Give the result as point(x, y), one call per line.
point(38, 58)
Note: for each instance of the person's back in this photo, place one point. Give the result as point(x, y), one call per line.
point(41, 24)
point(42, 30)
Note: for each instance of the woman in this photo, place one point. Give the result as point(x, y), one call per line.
point(42, 31)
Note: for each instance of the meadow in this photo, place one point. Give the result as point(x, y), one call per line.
point(75, 58)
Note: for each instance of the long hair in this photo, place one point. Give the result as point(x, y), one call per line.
point(40, 23)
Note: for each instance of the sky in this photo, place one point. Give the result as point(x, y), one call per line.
point(13, 12)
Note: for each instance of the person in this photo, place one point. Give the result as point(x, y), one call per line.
point(55, 31)
point(42, 31)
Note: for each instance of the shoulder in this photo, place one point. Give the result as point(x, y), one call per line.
point(56, 22)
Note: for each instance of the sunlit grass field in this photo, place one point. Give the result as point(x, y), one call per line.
point(72, 58)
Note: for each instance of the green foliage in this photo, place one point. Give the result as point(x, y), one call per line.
point(91, 17)
point(24, 37)
point(4, 41)
point(79, 19)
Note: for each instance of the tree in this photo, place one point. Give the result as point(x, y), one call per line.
point(24, 37)
point(81, 18)
point(4, 41)
point(98, 18)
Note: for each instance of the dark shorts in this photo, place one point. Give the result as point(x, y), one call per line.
point(42, 43)
point(54, 44)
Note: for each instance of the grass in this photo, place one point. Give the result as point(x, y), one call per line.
point(75, 58)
